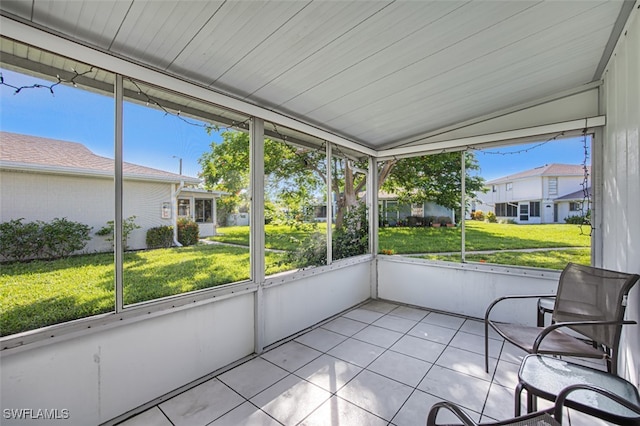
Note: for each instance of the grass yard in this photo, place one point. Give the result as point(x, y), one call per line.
point(40, 293)
point(480, 236)
point(403, 240)
point(549, 259)
point(277, 237)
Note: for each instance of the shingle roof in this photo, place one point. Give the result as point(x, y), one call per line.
point(577, 195)
point(36, 152)
point(553, 169)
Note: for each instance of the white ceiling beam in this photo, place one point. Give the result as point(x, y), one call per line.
point(512, 135)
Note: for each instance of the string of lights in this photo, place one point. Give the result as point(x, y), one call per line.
point(150, 101)
point(586, 188)
point(520, 151)
point(50, 87)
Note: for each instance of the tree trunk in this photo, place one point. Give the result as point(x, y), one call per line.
point(348, 197)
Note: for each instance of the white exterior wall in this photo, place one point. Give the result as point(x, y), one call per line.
point(621, 179)
point(88, 200)
point(105, 373)
point(569, 184)
point(144, 200)
point(526, 189)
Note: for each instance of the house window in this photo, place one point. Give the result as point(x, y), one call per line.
point(184, 208)
point(553, 186)
point(494, 188)
point(509, 186)
point(204, 210)
point(575, 206)
point(506, 210)
point(534, 209)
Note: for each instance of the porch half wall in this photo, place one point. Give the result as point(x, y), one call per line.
point(104, 372)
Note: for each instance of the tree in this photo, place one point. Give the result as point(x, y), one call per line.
point(433, 178)
point(296, 176)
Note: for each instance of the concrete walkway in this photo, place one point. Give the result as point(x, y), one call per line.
point(530, 250)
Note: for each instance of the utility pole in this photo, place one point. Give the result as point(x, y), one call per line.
point(180, 160)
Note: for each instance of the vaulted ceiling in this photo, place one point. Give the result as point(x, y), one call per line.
point(378, 73)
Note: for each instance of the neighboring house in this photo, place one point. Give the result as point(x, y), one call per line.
point(43, 179)
point(546, 194)
point(199, 205)
point(392, 212)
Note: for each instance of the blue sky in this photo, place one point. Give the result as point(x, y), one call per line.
point(80, 116)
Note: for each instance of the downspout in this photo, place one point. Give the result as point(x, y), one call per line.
point(174, 220)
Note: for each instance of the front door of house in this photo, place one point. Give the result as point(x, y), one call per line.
point(524, 212)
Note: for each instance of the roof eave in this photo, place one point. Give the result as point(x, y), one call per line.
point(38, 168)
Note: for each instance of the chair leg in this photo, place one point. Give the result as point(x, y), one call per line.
point(612, 364)
point(517, 411)
point(486, 347)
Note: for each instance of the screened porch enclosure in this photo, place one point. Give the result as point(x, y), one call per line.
point(349, 83)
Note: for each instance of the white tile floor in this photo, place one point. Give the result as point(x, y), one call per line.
point(378, 364)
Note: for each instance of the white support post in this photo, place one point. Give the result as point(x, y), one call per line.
point(214, 215)
point(117, 231)
point(597, 188)
point(372, 204)
point(256, 224)
point(463, 200)
point(329, 180)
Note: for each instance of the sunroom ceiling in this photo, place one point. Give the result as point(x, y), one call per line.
point(374, 72)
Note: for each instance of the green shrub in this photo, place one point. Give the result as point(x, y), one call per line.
point(62, 237)
point(576, 220)
point(443, 220)
point(128, 226)
point(311, 252)
point(477, 215)
point(352, 239)
point(160, 237)
point(20, 241)
point(49, 240)
point(187, 232)
point(491, 217)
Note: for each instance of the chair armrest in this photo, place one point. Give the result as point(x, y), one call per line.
point(459, 413)
point(524, 296)
point(544, 333)
point(564, 394)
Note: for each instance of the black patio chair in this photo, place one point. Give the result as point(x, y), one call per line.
point(590, 302)
point(550, 417)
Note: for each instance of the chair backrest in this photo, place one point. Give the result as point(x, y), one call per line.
point(586, 293)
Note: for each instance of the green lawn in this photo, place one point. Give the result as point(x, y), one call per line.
point(403, 240)
point(277, 237)
point(41, 293)
point(549, 259)
point(480, 236)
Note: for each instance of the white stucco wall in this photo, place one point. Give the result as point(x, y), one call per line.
point(89, 200)
point(621, 178)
